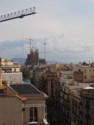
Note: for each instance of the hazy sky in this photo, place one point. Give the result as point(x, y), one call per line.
point(66, 26)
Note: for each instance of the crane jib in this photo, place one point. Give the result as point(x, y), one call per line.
point(18, 14)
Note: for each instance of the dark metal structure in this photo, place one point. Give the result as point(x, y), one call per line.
point(18, 14)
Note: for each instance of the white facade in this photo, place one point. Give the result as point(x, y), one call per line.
point(12, 77)
point(66, 76)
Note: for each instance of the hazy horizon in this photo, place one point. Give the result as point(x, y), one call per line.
point(66, 26)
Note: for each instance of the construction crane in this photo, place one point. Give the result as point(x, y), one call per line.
point(18, 14)
point(14, 15)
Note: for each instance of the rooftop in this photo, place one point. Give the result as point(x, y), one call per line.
point(25, 89)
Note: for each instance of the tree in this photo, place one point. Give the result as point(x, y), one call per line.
point(26, 72)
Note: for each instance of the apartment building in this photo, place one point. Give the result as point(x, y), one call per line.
point(87, 97)
point(65, 104)
point(22, 104)
point(50, 83)
point(11, 71)
point(36, 74)
point(75, 107)
point(88, 73)
point(10, 66)
point(65, 100)
point(78, 75)
point(76, 102)
point(85, 73)
point(65, 76)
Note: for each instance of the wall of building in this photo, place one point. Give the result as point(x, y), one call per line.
point(40, 105)
point(10, 66)
point(15, 69)
point(78, 76)
point(88, 73)
point(66, 76)
point(77, 103)
point(11, 111)
point(87, 97)
point(75, 109)
point(12, 77)
point(65, 103)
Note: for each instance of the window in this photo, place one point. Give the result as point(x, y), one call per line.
point(85, 70)
point(33, 114)
point(85, 77)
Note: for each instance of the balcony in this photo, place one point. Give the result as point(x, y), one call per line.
point(34, 123)
point(87, 95)
point(37, 123)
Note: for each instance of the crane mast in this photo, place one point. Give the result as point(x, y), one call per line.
point(18, 14)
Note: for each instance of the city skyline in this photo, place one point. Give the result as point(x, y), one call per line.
point(66, 26)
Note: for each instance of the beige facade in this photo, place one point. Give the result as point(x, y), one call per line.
point(22, 109)
point(88, 73)
point(10, 111)
point(15, 111)
point(10, 72)
point(10, 66)
point(40, 107)
point(6, 62)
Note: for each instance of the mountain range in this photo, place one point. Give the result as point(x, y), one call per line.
point(19, 60)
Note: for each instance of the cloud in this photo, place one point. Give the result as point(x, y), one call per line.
point(66, 26)
point(56, 48)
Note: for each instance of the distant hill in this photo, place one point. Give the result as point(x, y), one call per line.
point(19, 60)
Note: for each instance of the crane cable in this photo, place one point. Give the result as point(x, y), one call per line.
point(21, 37)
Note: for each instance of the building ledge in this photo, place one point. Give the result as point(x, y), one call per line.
point(37, 123)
